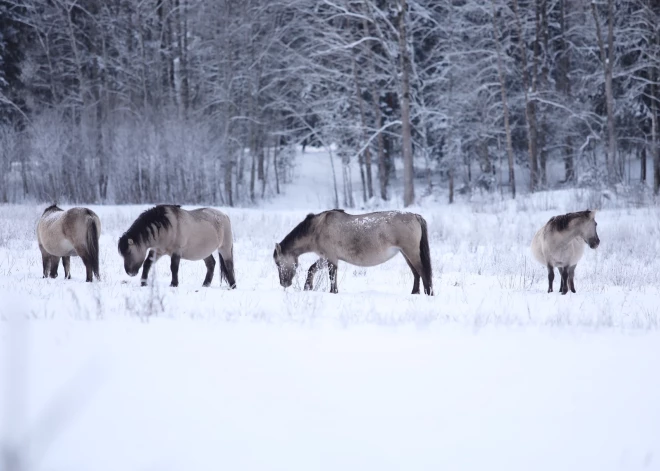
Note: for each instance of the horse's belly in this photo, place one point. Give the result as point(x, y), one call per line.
point(61, 248)
point(371, 259)
point(199, 251)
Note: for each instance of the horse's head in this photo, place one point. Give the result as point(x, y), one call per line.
point(588, 230)
point(133, 254)
point(287, 265)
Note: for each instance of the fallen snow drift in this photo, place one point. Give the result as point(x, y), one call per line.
point(491, 373)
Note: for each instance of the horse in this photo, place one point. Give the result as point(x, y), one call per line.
point(181, 234)
point(560, 243)
point(65, 234)
point(365, 240)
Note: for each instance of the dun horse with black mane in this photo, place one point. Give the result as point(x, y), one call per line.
point(560, 243)
point(179, 233)
point(65, 234)
point(365, 240)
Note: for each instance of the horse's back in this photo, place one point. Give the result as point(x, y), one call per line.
point(372, 238)
point(202, 231)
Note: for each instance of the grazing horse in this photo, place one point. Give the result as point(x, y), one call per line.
point(365, 240)
point(560, 243)
point(179, 233)
point(65, 234)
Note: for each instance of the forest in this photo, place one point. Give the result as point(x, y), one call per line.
point(206, 101)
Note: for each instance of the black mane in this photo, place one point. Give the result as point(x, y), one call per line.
point(52, 207)
point(147, 225)
point(299, 231)
point(302, 229)
point(560, 223)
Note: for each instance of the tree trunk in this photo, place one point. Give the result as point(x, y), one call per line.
point(542, 36)
point(451, 186)
point(408, 170)
point(369, 193)
point(530, 107)
point(505, 107)
point(607, 58)
point(655, 145)
point(564, 86)
point(642, 165)
point(276, 150)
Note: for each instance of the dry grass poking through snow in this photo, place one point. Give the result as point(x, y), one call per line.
point(483, 272)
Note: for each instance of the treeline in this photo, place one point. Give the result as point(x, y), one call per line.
point(204, 101)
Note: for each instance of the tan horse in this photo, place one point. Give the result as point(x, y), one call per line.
point(66, 234)
point(179, 233)
point(365, 240)
point(560, 243)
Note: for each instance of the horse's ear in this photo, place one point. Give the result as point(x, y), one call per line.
point(130, 242)
point(278, 249)
point(592, 214)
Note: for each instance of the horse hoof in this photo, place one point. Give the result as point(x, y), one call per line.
point(206, 285)
point(307, 288)
point(550, 290)
point(143, 283)
point(174, 285)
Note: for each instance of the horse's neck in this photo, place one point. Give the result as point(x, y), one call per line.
point(300, 246)
point(565, 239)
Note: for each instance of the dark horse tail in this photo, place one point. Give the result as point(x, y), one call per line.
point(93, 245)
point(227, 269)
point(425, 256)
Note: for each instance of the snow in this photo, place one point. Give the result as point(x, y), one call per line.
point(490, 373)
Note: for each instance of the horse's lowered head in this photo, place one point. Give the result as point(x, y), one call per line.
point(133, 254)
point(287, 264)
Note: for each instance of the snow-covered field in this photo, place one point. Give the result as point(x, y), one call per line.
point(491, 373)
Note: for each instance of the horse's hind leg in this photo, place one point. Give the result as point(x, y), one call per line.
point(563, 271)
point(174, 267)
point(333, 277)
point(415, 273)
point(54, 263)
point(226, 257)
point(66, 263)
point(316, 266)
point(45, 262)
point(551, 277)
point(89, 271)
point(571, 277)
point(210, 267)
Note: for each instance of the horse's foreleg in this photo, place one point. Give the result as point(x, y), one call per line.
point(54, 263)
point(333, 277)
point(210, 267)
point(66, 263)
point(571, 278)
point(174, 267)
point(551, 277)
point(563, 271)
point(316, 266)
point(152, 257)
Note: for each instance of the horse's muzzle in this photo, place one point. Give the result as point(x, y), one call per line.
point(594, 243)
point(132, 273)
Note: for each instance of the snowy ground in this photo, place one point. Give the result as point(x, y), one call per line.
point(491, 373)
